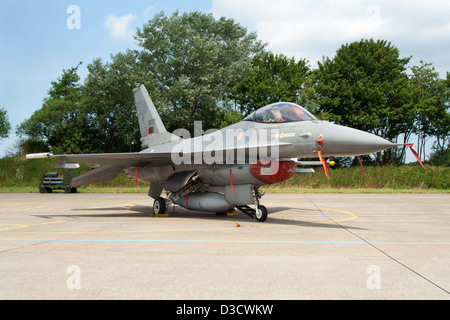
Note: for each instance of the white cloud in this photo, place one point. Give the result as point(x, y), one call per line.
point(314, 28)
point(149, 10)
point(119, 27)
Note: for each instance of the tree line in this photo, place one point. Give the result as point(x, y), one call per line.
point(198, 68)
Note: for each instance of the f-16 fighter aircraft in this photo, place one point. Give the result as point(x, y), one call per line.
point(224, 169)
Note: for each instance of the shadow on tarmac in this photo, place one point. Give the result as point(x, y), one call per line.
point(293, 217)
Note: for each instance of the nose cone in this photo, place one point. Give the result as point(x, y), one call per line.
point(342, 141)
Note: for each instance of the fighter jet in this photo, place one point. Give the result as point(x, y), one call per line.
point(222, 170)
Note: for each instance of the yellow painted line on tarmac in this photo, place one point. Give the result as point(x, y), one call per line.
point(47, 223)
point(14, 226)
point(22, 226)
point(125, 231)
point(12, 207)
point(32, 208)
point(352, 215)
point(127, 206)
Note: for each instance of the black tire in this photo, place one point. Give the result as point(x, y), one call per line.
point(42, 190)
point(261, 214)
point(68, 190)
point(159, 206)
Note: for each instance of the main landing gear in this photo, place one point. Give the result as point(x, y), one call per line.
point(159, 206)
point(259, 213)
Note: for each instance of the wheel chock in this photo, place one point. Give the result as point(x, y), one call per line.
point(162, 215)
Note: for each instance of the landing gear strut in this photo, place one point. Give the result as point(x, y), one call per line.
point(260, 212)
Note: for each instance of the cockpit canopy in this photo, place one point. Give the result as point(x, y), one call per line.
point(280, 112)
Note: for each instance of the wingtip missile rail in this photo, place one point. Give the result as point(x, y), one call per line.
point(44, 155)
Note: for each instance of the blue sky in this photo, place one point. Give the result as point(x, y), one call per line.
point(36, 43)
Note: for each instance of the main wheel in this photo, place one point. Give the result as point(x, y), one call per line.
point(159, 206)
point(261, 214)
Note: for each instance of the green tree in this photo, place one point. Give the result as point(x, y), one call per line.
point(365, 86)
point(61, 123)
point(227, 115)
point(5, 125)
point(190, 64)
point(440, 157)
point(195, 63)
point(430, 96)
point(109, 102)
point(274, 78)
point(32, 145)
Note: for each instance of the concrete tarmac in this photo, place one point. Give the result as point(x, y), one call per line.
point(313, 246)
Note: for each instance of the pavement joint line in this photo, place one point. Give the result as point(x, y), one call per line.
point(374, 245)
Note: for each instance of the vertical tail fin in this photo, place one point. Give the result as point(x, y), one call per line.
point(149, 120)
point(153, 131)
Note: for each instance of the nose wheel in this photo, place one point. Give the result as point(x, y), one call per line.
point(261, 213)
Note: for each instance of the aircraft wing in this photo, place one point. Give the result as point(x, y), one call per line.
point(158, 156)
point(153, 158)
point(124, 160)
point(111, 164)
